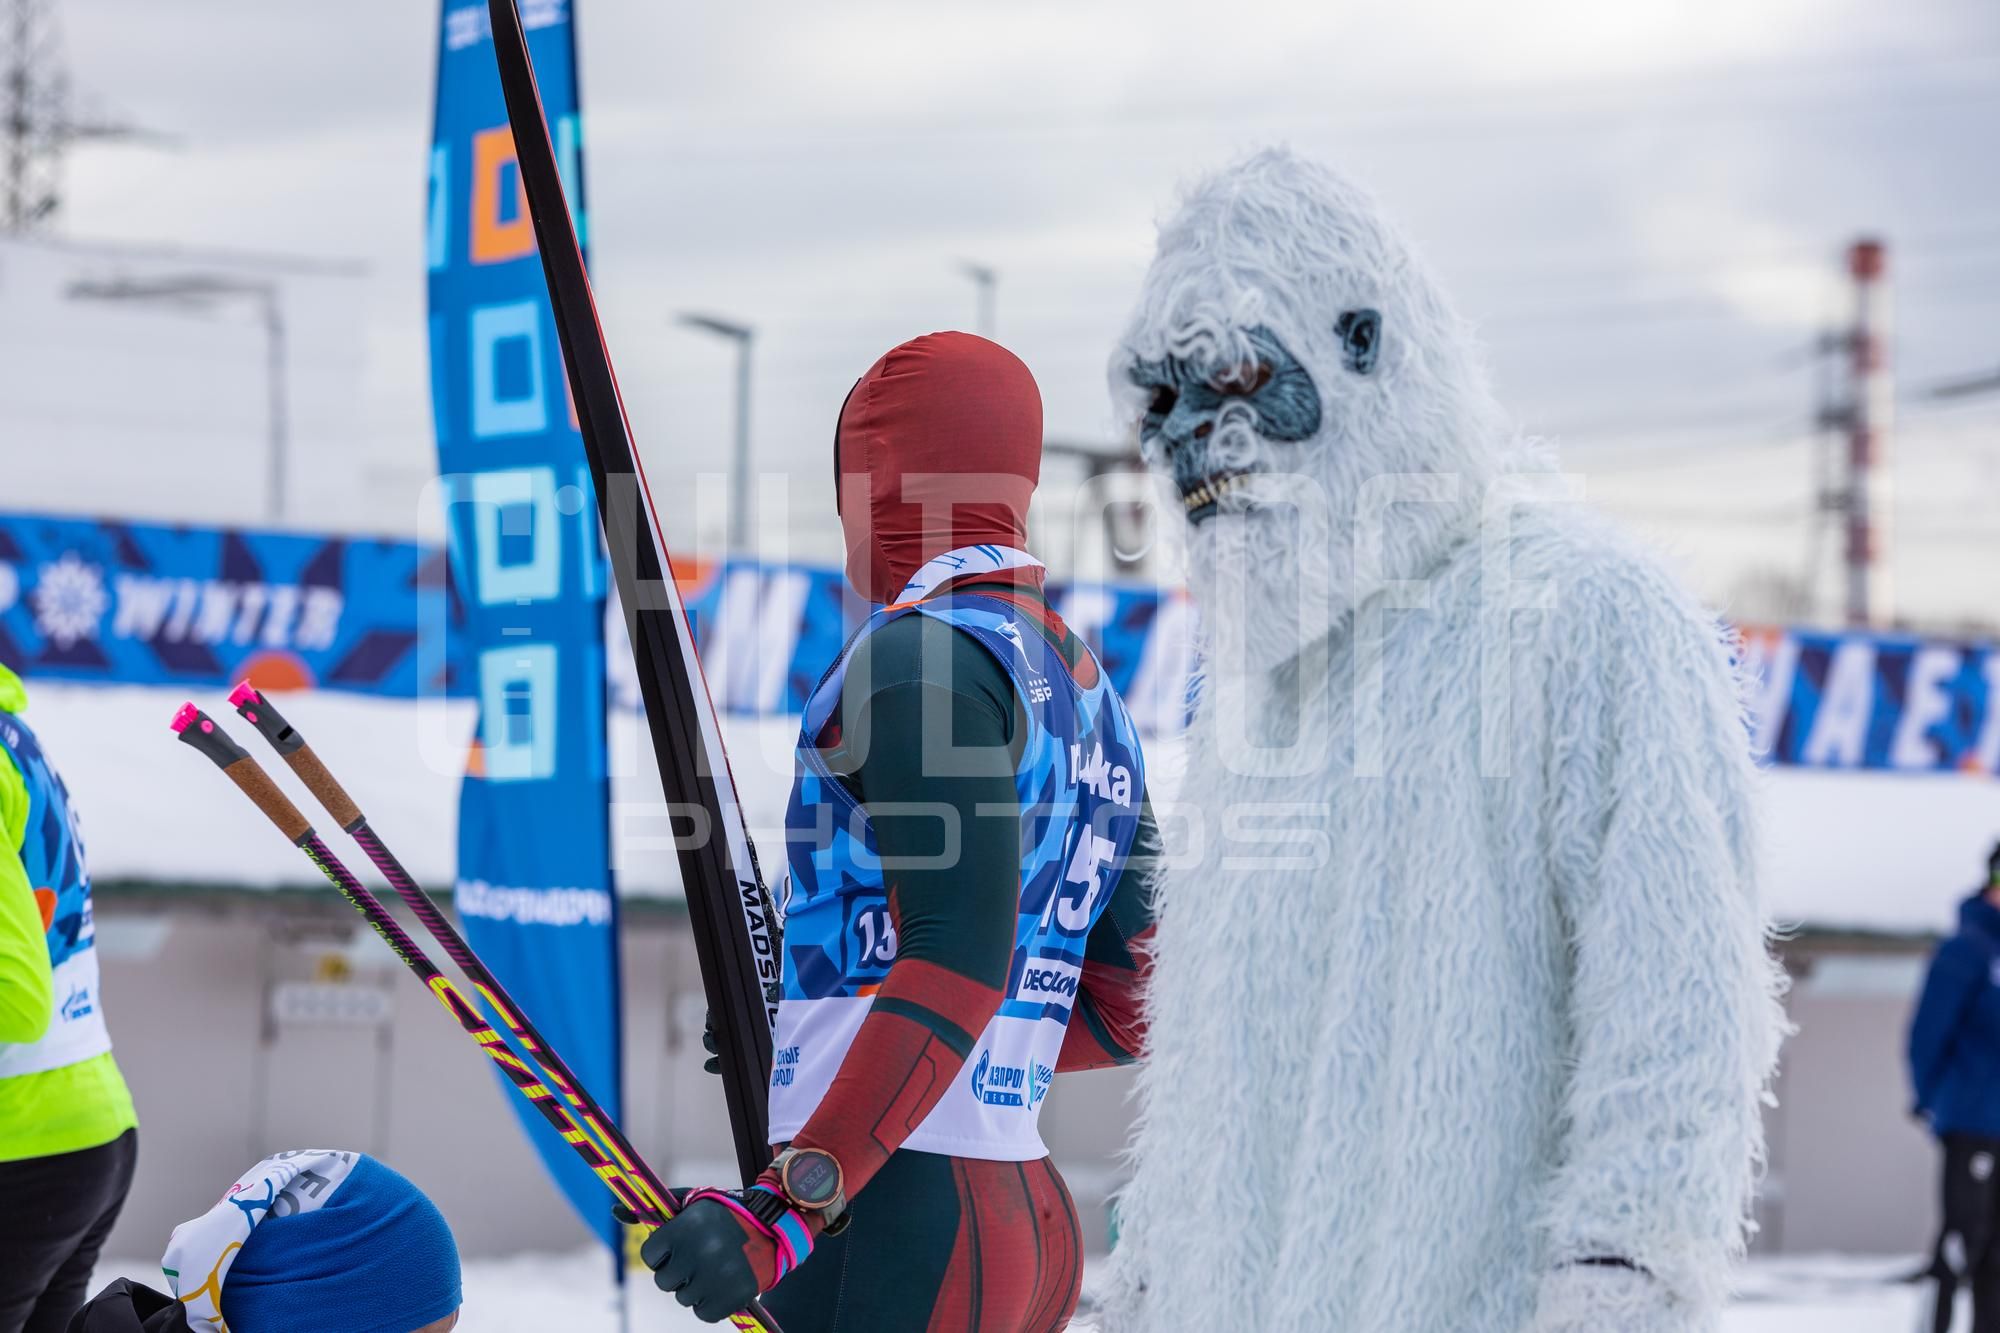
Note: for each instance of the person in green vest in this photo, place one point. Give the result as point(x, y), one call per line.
point(68, 1133)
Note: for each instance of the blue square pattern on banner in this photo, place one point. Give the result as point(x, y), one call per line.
point(517, 534)
point(523, 565)
point(534, 810)
point(507, 389)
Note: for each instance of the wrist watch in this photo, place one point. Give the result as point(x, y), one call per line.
point(811, 1182)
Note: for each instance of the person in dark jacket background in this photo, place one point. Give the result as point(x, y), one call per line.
point(1954, 1053)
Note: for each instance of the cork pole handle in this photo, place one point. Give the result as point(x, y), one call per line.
point(199, 730)
point(256, 709)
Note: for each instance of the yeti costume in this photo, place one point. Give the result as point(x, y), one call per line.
point(1463, 1008)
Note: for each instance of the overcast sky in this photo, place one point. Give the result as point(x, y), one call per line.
point(1642, 203)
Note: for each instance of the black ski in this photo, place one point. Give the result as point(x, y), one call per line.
point(735, 929)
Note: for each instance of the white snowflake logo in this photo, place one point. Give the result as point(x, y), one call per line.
point(69, 600)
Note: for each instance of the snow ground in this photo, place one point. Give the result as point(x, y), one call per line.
point(573, 1293)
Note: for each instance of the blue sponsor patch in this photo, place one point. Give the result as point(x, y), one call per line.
point(1010, 1085)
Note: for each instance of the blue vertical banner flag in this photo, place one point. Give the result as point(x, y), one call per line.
point(534, 881)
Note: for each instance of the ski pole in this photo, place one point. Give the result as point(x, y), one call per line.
point(258, 711)
point(197, 729)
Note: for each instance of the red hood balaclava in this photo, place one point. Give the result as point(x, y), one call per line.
point(939, 446)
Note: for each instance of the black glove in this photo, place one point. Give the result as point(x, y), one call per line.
point(712, 1065)
point(713, 1261)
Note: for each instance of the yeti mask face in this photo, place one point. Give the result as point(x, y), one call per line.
point(1270, 393)
point(1188, 396)
point(1295, 372)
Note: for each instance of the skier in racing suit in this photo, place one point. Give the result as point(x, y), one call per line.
point(967, 840)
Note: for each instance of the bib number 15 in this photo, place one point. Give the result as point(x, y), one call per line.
point(1074, 903)
point(876, 934)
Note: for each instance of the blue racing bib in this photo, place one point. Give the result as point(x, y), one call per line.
point(1081, 782)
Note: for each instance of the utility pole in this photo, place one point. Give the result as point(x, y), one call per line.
point(1871, 404)
point(1854, 412)
point(31, 100)
point(37, 121)
point(1829, 500)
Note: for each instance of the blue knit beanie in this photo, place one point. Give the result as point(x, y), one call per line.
point(377, 1257)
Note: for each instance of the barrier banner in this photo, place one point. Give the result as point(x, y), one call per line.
point(1847, 699)
point(534, 879)
point(768, 632)
point(137, 604)
point(149, 604)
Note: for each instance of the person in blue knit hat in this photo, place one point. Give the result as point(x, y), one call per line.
point(311, 1241)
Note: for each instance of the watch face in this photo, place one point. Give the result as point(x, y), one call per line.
point(812, 1179)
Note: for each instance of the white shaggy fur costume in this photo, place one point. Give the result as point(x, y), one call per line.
point(1464, 978)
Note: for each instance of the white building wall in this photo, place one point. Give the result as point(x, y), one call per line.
point(220, 1080)
point(1851, 1170)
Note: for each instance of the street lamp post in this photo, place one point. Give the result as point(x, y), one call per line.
point(201, 291)
point(739, 490)
point(987, 280)
point(278, 406)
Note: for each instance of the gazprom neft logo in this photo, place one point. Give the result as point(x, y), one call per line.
point(78, 1005)
point(1010, 1085)
point(998, 1085)
point(469, 25)
point(1049, 981)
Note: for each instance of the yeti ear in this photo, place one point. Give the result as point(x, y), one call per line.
point(1360, 334)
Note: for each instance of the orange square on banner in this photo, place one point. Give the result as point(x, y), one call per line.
point(495, 241)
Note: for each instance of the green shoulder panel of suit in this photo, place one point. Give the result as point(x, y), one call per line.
point(27, 984)
point(79, 1106)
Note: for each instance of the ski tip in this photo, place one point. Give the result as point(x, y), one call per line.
point(185, 718)
point(244, 694)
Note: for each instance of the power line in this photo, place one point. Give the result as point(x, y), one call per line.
point(1682, 454)
point(1936, 404)
point(1768, 514)
point(1952, 536)
point(1918, 519)
point(1966, 387)
point(1667, 422)
point(1604, 436)
point(1979, 237)
point(270, 261)
point(1685, 299)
